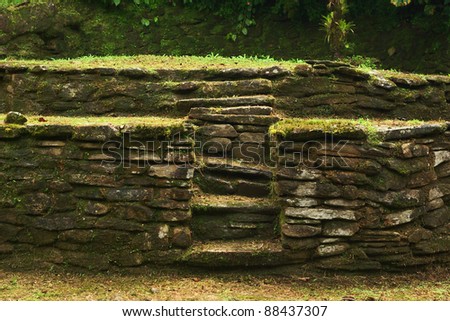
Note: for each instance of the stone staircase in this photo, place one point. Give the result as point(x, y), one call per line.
point(233, 213)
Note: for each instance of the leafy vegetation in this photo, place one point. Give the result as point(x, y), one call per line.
point(431, 15)
point(336, 27)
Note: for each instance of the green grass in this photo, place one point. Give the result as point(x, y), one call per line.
point(188, 284)
point(152, 62)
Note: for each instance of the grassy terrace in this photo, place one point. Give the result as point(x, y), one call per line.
point(152, 62)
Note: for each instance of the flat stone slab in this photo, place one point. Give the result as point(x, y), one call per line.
point(242, 253)
point(321, 214)
point(220, 130)
point(219, 204)
point(258, 120)
point(244, 110)
point(216, 164)
point(405, 132)
point(260, 100)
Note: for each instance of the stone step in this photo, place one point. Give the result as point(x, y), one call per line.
point(241, 110)
point(236, 168)
point(215, 183)
point(216, 217)
point(255, 120)
point(211, 204)
point(254, 252)
point(185, 105)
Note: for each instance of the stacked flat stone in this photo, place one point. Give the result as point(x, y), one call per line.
point(353, 205)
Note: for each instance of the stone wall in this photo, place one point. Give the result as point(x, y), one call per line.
point(92, 196)
point(317, 88)
point(353, 205)
point(97, 197)
point(236, 181)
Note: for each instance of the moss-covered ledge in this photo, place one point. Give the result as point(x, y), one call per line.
point(94, 128)
point(372, 131)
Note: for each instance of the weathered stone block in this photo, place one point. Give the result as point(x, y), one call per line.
point(422, 179)
point(142, 242)
point(257, 120)
point(301, 202)
point(338, 202)
point(408, 167)
point(221, 130)
point(419, 234)
point(321, 214)
point(177, 194)
point(443, 170)
point(217, 146)
point(435, 193)
point(112, 223)
point(168, 204)
point(347, 178)
point(171, 171)
point(378, 251)
point(366, 166)
point(173, 215)
point(244, 110)
point(377, 236)
point(182, 237)
point(435, 204)
point(305, 189)
point(128, 259)
point(403, 217)
point(252, 189)
point(410, 150)
point(77, 236)
point(15, 118)
point(440, 157)
point(436, 245)
point(6, 248)
point(298, 173)
point(300, 231)
point(258, 138)
point(300, 244)
point(331, 249)
point(56, 222)
point(436, 218)
point(338, 228)
point(402, 199)
point(37, 204)
point(97, 209)
point(128, 194)
point(8, 232)
point(250, 128)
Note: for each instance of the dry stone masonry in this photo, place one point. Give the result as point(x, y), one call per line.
point(228, 177)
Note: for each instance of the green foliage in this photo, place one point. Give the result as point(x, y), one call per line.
point(428, 15)
point(336, 27)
